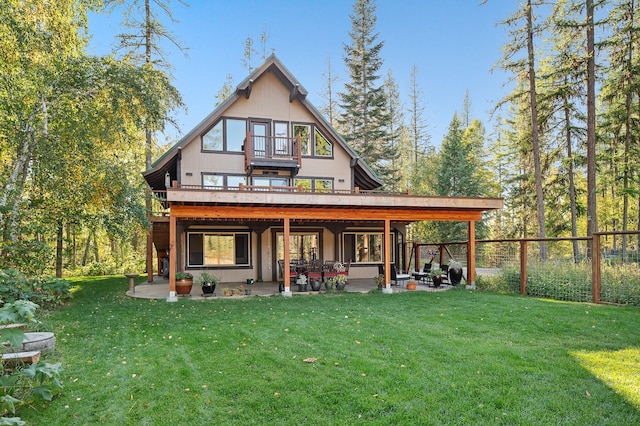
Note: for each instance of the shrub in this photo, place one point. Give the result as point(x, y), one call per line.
point(48, 293)
point(24, 385)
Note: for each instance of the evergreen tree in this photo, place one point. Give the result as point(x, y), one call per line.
point(394, 143)
point(363, 120)
point(523, 39)
point(620, 95)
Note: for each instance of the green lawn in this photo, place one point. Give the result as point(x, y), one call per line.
point(457, 357)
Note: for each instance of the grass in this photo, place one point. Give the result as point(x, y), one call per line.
point(458, 357)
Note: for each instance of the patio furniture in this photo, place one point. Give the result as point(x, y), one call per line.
point(293, 274)
point(396, 278)
point(445, 276)
point(328, 271)
point(423, 276)
point(314, 271)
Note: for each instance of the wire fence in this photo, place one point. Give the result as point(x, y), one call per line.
point(555, 268)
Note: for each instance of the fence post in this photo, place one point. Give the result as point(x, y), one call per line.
point(596, 278)
point(523, 267)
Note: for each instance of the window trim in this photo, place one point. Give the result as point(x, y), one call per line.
point(227, 232)
point(224, 177)
point(225, 145)
point(355, 261)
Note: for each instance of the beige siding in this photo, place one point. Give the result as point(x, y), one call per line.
point(269, 99)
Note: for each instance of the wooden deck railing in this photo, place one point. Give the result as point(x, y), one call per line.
point(275, 148)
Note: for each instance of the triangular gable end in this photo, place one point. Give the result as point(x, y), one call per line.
point(168, 162)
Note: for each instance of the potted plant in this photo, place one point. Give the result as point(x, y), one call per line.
point(184, 282)
point(455, 272)
point(315, 284)
point(302, 282)
point(340, 281)
point(412, 285)
point(208, 283)
point(436, 276)
point(226, 291)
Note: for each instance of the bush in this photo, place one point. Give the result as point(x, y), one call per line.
point(23, 385)
point(48, 293)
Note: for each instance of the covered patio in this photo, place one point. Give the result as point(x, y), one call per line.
point(261, 208)
point(159, 288)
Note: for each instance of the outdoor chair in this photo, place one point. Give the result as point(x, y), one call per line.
point(424, 275)
point(397, 278)
point(445, 275)
point(328, 271)
point(293, 274)
point(314, 270)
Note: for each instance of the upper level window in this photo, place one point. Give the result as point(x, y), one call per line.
point(322, 147)
point(226, 181)
point(227, 135)
point(314, 184)
point(236, 133)
point(213, 140)
point(304, 131)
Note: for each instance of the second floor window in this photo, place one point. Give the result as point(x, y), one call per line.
point(227, 135)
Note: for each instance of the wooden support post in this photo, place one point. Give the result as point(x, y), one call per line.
point(387, 256)
point(173, 252)
point(471, 255)
point(150, 255)
point(287, 259)
point(596, 277)
point(523, 267)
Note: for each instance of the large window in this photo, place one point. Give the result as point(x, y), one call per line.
point(270, 181)
point(218, 248)
point(322, 147)
point(226, 181)
point(314, 184)
point(304, 131)
point(365, 247)
point(227, 135)
point(302, 246)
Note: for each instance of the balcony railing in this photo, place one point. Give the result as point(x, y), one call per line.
point(272, 152)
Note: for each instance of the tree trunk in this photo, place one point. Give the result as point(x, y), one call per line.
point(535, 133)
point(59, 251)
point(572, 187)
point(592, 219)
point(86, 250)
point(96, 254)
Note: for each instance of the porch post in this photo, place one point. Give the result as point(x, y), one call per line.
point(287, 260)
point(150, 255)
point(387, 257)
point(173, 252)
point(471, 256)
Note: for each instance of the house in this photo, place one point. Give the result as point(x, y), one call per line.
point(264, 178)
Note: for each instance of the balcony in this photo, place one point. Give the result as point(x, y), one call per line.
point(272, 153)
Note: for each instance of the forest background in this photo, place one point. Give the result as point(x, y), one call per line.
point(77, 129)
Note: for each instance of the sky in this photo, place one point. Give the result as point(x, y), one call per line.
point(453, 43)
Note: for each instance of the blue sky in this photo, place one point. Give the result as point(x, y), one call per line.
point(453, 43)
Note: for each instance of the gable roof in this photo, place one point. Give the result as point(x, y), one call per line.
point(364, 176)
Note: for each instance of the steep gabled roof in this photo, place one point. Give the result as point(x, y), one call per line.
point(364, 176)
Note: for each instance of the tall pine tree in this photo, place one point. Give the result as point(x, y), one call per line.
point(364, 117)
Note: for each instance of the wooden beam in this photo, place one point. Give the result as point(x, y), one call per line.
point(320, 213)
